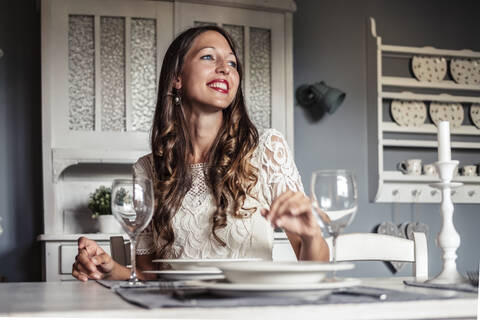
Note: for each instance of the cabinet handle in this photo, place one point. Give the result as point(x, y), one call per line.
point(471, 193)
point(433, 192)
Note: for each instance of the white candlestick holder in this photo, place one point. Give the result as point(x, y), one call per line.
point(448, 238)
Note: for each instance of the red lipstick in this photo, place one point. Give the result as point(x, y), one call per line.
point(220, 85)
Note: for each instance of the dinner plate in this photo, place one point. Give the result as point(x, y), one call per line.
point(442, 111)
point(408, 113)
point(279, 272)
point(430, 69)
point(187, 274)
point(465, 71)
point(201, 264)
point(475, 114)
point(293, 289)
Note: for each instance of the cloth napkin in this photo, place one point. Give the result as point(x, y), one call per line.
point(164, 295)
point(465, 287)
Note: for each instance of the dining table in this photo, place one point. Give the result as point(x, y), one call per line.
point(75, 299)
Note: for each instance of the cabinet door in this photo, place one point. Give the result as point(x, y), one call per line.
point(100, 64)
point(260, 39)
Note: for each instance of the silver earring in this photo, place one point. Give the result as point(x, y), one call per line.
point(177, 100)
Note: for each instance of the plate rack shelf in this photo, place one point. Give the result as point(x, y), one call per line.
point(389, 142)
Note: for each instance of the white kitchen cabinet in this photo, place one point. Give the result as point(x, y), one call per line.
point(386, 137)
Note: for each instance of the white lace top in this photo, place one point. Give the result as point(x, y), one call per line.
point(248, 237)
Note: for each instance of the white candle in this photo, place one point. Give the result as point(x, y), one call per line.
point(444, 152)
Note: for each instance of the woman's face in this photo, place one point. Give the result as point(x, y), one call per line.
point(209, 77)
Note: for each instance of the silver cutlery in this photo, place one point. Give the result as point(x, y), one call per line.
point(361, 292)
point(473, 277)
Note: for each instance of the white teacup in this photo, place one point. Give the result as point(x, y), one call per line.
point(411, 166)
point(429, 169)
point(469, 171)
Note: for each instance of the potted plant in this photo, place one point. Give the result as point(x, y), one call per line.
point(99, 204)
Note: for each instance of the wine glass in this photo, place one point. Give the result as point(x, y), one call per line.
point(334, 196)
point(132, 205)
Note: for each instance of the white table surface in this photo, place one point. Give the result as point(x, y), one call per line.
point(91, 300)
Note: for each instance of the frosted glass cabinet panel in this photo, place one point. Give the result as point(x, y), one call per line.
point(81, 72)
point(112, 73)
point(263, 47)
point(143, 72)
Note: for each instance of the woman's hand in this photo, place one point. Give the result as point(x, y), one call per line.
point(292, 211)
point(91, 261)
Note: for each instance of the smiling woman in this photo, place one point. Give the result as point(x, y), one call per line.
point(220, 188)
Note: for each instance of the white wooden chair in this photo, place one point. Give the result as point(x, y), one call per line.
point(120, 250)
point(380, 247)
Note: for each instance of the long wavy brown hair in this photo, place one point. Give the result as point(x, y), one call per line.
point(229, 173)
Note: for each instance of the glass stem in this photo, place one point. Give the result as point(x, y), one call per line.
point(334, 254)
point(133, 251)
point(334, 248)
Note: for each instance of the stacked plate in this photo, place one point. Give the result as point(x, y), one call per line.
point(267, 278)
point(194, 269)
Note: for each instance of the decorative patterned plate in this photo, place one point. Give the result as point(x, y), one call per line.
point(475, 114)
point(465, 71)
point(441, 111)
point(430, 69)
point(408, 113)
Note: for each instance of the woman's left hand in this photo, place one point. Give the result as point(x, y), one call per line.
point(292, 211)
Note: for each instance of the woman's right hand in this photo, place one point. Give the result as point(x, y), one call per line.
point(91, 261)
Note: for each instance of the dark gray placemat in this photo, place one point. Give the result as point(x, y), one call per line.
point(465, 287)
point(122, 283)
point(167, 298)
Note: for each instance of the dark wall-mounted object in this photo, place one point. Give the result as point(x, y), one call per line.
point(319, 98)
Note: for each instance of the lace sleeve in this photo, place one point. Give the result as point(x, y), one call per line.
point(277, 168)
point(143, 169)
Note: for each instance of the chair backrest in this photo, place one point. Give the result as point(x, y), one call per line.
point(120, 250)
point(380, 247)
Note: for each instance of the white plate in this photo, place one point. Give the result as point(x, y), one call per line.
point(465, 71)
point(269, 272)
point(187, 274)
point(475, 114)
point(408, 113)
point(201, 264)
point(251, 290)
point(430, 69)
point(442, 111)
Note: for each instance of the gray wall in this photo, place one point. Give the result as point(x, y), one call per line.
point(330, 45)
point(20, 141)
